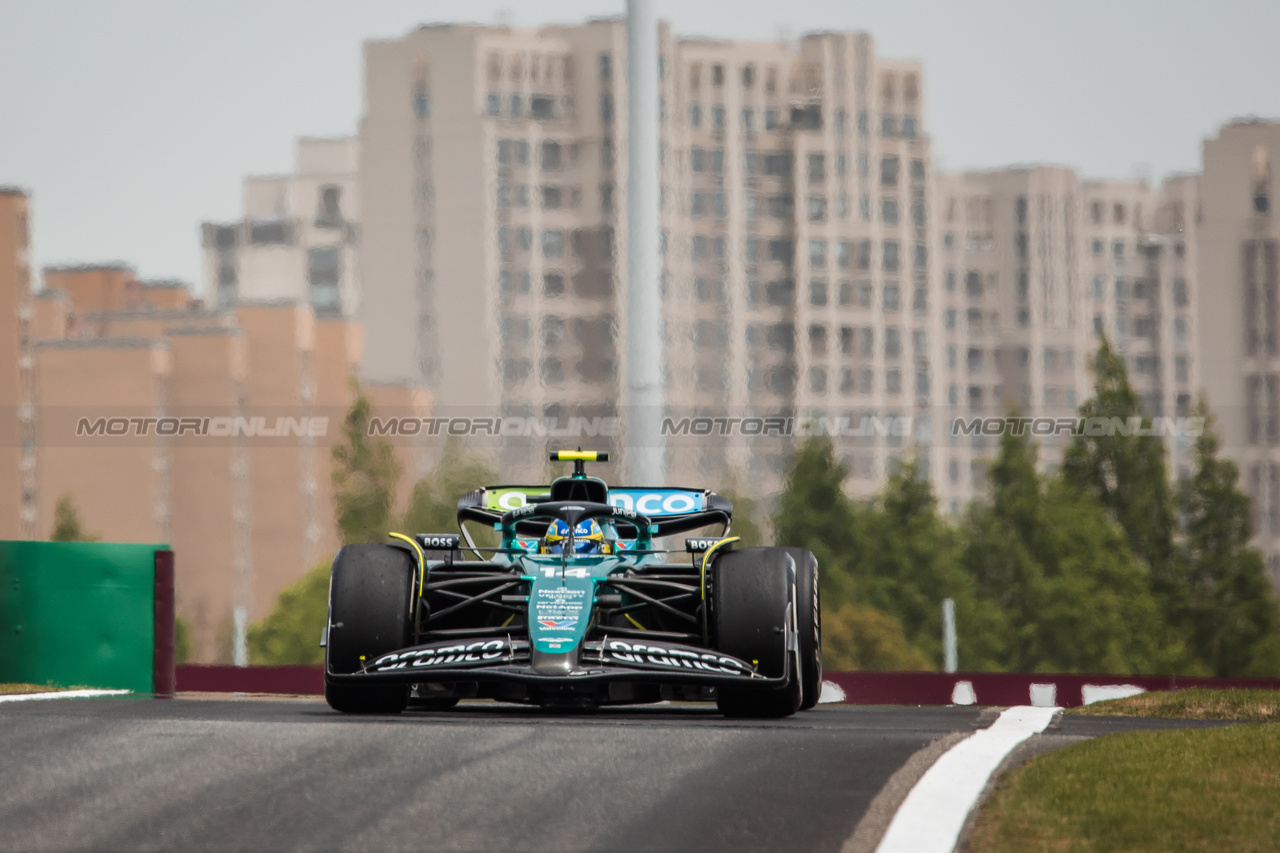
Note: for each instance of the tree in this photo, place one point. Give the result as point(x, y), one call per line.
point(906, 561)
point(1072, 594)
point(1127, 473)
point(433, 505)
point(813, 512)
point(66, 523)
point(858, 637)
point(290, 633)
point(364, 476)
point(1226, 606)
point(745, 526)
point(181, 640)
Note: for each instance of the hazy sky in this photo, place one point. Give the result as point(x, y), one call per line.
point(131, 121)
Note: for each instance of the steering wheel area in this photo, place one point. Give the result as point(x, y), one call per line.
point(521, 520)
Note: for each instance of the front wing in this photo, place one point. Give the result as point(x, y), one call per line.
point(609, 659)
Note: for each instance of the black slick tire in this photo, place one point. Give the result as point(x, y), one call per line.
point(751, 599)
point(370, 587)
point(808, 625)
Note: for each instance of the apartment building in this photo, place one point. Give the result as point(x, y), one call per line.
point(1237, 309)
point(298, 235)
point(796, 281)
point(1037, 265)
point(17, 512)
point(248, 514)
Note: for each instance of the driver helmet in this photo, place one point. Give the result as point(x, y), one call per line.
point(588, 538)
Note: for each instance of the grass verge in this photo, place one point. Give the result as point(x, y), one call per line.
point(28, 688)
point(1179, 790)
point(1196, 704)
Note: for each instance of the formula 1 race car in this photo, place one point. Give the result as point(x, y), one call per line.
point(575, 607)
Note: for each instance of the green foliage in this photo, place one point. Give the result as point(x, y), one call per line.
point(745, 511)
point(66, 523)
point(364, 477)
point(906, 561)
point(433, 505)
point(894, 555)
point(857, 637)
point(813, 512)
point(181, 640)
point(1225, 604)
point(1072, 595)
point(1127, 474)
point(290, 634)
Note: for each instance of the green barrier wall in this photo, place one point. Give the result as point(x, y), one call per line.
point(78, 614)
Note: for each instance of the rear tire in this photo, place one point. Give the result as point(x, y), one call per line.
point(752, 595)
point(809, 625)
point(370, 590)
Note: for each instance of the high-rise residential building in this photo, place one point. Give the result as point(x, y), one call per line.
point(796, 188)
point(1238, 310)
point(17, 487)
point(1037, 265)
point(297, 239)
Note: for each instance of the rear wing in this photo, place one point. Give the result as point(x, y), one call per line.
point(672, 510)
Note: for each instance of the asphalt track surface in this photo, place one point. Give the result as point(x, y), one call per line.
point(145, 774)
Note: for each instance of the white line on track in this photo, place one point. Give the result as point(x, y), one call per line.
point(61, 694)
point(931, 817)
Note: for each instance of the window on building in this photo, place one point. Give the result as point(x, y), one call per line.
point(892, 299)
point(817, 168)
point(606, 66)
point(864, 254)
point(551, 155)
point(817, 208)
point(890, 252)
point(1260, 167)
point(920, 300)
point(717, 116)
point(889, 210)
point(777, 164)
point(846, 294)
point(889, 171)
point(329, 212)
point(818, 292)
point(818, 340)
point(892, 342)
point(606, 108)
point(552, 244)
point(817, 253)
point(324, 272)
point(865, 294)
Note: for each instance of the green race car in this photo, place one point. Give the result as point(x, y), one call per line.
point(576, 606)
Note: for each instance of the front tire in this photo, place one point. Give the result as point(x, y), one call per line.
point(752, 599)
point(809, 625)
point(370, 590)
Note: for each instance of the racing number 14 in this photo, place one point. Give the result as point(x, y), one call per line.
point(552, 571)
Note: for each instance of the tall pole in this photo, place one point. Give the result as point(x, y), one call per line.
point(949, 635)
point(644, 303)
